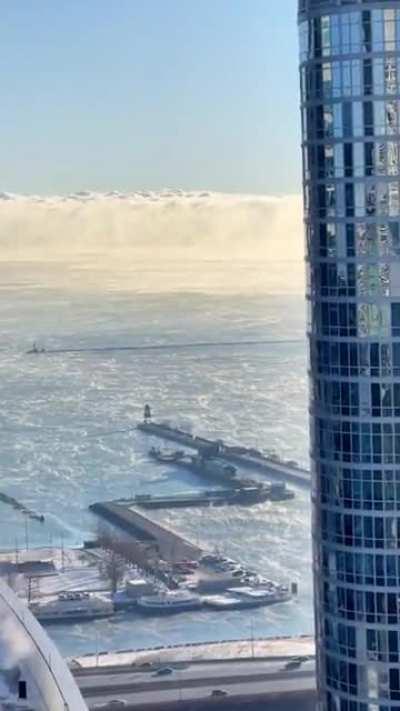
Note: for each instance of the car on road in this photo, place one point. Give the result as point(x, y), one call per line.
point(219, 692)
point(295, 662)
point(117, 704)
point(163, 671)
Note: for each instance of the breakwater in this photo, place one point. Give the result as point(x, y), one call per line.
point(170, 545)
point(245, 457)
point(196, 345)
point(18, 506)
point(241, 496)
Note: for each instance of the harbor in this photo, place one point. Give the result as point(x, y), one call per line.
point(191, 577)
point(136, 564)
point(59, 446)
point(151, 568)
point(70, 585)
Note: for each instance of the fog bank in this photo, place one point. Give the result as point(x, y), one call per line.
point(164, 232)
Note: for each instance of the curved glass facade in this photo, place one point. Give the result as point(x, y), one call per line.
point(350, 104)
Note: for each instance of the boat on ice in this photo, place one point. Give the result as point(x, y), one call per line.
point(241, 598)
point(169, 602)
point(166, 456)
point(36, 350)
point(75, 606)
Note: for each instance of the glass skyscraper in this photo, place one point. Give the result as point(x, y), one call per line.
point(350, 103)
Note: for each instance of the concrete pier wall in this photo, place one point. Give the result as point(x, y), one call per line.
point(171, 546)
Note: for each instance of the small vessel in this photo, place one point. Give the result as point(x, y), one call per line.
point(247, 597)
point(167, 456)
point(213, 468)
point(169, 602)
point(74, 606)
point(35, 350)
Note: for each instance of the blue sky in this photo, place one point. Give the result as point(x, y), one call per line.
point(129, 94)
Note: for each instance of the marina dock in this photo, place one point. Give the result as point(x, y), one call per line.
point(210, 579)
point(244, 457)
point(241, 496)
point(169, 544)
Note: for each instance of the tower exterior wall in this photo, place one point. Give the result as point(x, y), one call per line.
point(350, 108)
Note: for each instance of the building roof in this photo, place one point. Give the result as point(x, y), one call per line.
point(27, 654)
point(318, 7)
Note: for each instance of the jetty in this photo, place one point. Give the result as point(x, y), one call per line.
point(241, 496)
point(169, 545)
point(246, 458)
point(18, 506)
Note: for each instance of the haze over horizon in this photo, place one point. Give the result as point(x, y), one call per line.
point(164, 232)
point(196, 96)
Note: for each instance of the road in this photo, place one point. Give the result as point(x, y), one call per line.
point(139, 688)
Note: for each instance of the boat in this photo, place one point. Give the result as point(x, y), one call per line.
point(169, 602)
point(166, 456)
point(35, 350)
point(242, 598)
point(74, 606)
point(213, 468)
point(206, 466)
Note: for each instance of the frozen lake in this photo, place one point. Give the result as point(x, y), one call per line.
point(58, 410)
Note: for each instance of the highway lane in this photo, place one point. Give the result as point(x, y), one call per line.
point(104, 687)
point(101, 676)
point(194, 681)
point(249, 690)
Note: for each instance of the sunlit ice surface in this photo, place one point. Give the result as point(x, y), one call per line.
point(251, 394)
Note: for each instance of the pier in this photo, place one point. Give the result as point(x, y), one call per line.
point(219, 582)
point(244, 457)
point(149, 347)
point(240, 496)
point(170, 546)
point(18, 506)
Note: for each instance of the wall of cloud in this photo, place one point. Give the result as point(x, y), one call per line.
point(155, 228)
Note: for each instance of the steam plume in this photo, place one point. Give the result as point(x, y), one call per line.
point(156, 229)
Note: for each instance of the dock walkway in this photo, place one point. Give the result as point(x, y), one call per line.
point(171, 545)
